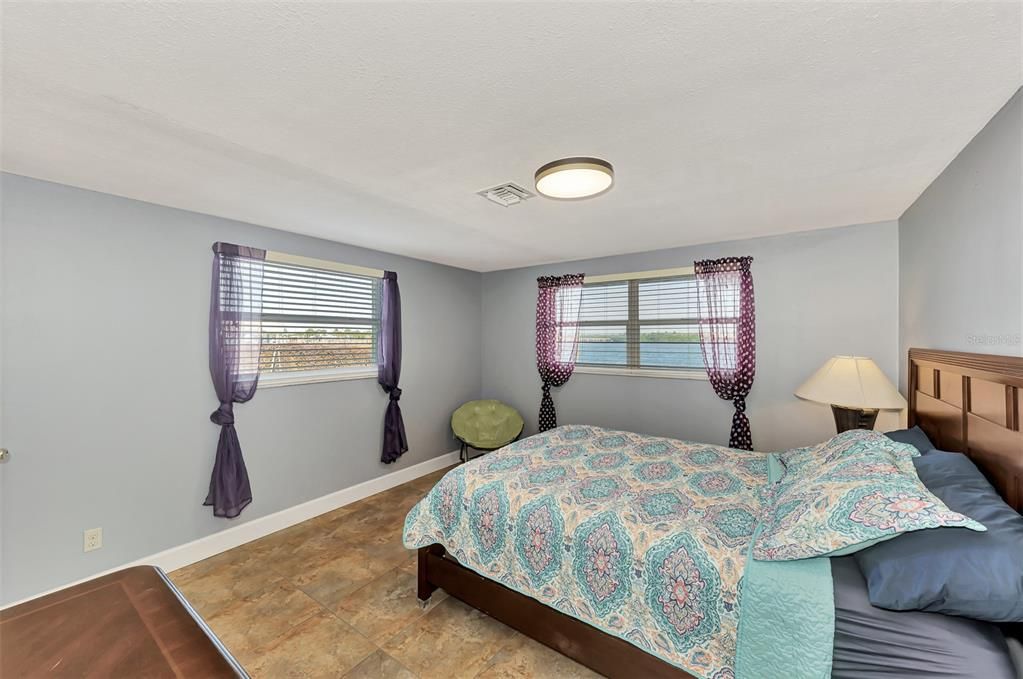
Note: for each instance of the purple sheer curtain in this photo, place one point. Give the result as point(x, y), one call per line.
point(389, 367)
point(557, 336)
point(728, 335)
point(236, 307)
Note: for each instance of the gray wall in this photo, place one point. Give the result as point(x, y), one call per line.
point(818, 294)
point(961, 248)
point(106, 394)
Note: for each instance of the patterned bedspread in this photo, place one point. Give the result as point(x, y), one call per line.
point(645, 538)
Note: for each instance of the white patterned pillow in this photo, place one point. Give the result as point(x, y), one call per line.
point(848, 493)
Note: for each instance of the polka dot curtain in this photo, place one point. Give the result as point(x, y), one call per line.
point(728, 335)
point(557, 336)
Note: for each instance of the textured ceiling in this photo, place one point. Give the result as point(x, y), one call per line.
point(375, 124)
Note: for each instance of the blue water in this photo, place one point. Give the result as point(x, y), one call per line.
point(651, 354)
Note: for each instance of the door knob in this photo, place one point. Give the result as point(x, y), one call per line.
point(4, 454)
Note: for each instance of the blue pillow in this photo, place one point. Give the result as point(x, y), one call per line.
point(952, 570)
point(914, 437)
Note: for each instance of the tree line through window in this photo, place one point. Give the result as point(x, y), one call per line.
point(316, 319)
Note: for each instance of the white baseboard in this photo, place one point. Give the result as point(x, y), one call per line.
point(203, 548)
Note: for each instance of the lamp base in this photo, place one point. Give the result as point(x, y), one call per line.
point(853, 418)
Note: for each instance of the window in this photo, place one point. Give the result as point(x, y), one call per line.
point(645, 323)
point(318, 323)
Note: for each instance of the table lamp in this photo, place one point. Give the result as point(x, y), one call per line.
point(855, 388)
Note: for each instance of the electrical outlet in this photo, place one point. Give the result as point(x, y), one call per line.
point(93, 539)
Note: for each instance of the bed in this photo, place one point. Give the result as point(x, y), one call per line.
point(575, 489)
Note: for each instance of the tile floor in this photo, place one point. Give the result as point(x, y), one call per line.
point(335, 597)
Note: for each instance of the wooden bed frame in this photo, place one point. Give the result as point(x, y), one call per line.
point(970, 403)
point(965, 402)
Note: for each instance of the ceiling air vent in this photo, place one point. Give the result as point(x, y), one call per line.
point(506, 194)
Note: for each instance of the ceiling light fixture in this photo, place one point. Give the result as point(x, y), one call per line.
point(574, 178)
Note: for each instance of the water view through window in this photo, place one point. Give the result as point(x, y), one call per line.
point(643, 323)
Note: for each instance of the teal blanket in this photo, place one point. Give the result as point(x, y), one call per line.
point(787, 626)
point(645, 538)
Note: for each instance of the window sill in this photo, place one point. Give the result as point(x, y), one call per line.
point(679, 374)
point(272, 381)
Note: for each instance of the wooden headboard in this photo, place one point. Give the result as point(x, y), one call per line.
point(971, 403)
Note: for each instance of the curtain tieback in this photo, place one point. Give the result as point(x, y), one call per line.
point(394, 394)
point(546, 388)
point(224, 415)
point(740, 404)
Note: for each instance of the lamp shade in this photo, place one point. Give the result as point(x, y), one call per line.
point(852, 382)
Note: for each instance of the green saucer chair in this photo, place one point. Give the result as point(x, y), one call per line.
point(485, 425)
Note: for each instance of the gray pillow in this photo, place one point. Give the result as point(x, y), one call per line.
point(952, 570)
point(914, 437)
point(872, 643)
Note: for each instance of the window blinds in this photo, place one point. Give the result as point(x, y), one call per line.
point(641, 323)
point(318, 319)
